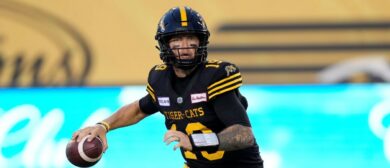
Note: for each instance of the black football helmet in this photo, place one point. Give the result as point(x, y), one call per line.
point(182, 20)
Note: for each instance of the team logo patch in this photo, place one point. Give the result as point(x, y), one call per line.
point(198, 97)
point(163, 101)
point(230, 69)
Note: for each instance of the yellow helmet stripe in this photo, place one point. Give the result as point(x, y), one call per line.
point(183, 16)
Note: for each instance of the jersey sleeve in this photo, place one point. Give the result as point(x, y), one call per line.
point(151, 93)
point(226, 78)
point(149, 88)
point(147, 105)
point(230, 110)
point(148, 102)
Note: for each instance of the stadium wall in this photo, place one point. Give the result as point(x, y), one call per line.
point(73, 43)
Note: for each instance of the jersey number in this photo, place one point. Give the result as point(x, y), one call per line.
point(197, 126)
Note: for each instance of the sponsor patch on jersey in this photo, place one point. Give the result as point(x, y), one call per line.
point(163, 101)
point(198, 97)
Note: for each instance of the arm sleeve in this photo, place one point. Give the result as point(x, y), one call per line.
point(230, 109)
point(147, 105)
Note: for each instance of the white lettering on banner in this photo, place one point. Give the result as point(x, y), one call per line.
point(375, 122)
point(14, 116)
point(41, 149)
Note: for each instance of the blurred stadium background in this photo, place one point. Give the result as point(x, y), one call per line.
point(316, 75)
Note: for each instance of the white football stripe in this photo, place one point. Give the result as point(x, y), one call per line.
point(81, 151)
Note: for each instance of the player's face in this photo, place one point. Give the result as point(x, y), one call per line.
point(184, 46)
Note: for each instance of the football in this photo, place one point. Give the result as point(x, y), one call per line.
point(84, 153)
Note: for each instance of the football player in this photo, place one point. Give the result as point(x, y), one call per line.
point(200, 99)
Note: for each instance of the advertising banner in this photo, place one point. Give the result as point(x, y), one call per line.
point(296, 126)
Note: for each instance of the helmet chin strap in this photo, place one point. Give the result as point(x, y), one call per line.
point(186, 67)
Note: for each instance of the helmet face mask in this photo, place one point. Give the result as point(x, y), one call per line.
point(179, 21)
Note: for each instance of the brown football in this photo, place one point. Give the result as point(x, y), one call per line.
point(84, 153)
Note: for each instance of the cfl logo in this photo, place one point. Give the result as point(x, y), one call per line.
point(375, 122)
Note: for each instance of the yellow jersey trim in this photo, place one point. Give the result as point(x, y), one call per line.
point(223, 80)
point(225, 90)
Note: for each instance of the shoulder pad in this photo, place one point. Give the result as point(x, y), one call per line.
point(154, 76)
point(226, 78)
point(156, 72)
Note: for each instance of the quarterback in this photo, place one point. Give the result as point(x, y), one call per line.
point(204, 110)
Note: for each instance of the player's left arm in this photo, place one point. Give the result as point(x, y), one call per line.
point(236, 137)
point(230, 108)
point(238, 134)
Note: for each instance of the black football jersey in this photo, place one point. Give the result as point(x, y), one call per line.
point(191, 112)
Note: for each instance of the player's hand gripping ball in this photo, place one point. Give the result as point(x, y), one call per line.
point(84, 153)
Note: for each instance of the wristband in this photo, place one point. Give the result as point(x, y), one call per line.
point(205, 141)
point(101, 125)
point(105, 125)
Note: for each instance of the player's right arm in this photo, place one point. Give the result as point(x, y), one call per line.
point(127, 115)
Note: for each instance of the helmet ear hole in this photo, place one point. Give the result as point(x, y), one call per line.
point(182, 20)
